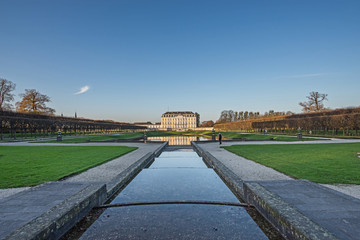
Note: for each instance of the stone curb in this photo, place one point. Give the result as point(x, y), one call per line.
point(62, 217)
point(58, 220)
point(230, 178)
point(120, 180)
point(286, 219)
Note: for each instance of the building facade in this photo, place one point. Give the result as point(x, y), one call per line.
point(179, 120)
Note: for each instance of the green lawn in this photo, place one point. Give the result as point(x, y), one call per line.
point(29, 166)
point(99, 138)
point(322, 163)
point(264, 137)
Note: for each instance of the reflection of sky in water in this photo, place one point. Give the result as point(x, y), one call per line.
point(177, 140)
point(175, 176)
point(178, 163)
point(175, 222)
point(171, 184)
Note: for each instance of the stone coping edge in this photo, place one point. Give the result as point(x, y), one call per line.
point(121, 180)
point(287, 220)
point(59, 219)
point(230, 178)
point(54, 223)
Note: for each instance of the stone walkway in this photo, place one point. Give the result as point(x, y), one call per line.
point(63, 197)
point(338, 214)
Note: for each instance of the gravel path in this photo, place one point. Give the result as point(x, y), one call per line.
point(107, 171)
point(103, 173)
point(246, 169)
point(251, 171)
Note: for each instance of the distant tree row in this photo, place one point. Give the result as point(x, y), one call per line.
point(332, 122)
point(314, 104)
point(33, 118)
point(15, 124)
point(227, 116)
point(32, 101)
point(316, 119)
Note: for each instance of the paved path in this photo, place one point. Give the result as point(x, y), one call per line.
point(334, 211)
point(18, 209)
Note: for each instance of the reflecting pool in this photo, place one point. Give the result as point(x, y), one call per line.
point(178, 140)
point(175, 176)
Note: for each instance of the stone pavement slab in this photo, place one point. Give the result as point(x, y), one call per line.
point(21, 208)
point(337, 212)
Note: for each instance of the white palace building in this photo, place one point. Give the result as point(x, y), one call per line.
point(174, 121)
point(179, 120)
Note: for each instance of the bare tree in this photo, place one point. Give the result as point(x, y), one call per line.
point(241, 115)
point(246, 115)
point(6, 87)
point(314, 103)
point(34, 102)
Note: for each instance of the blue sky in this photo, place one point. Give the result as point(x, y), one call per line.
point(142, 58)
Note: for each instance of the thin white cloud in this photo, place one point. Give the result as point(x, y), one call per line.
point(309, 75)
point(306, 75)
point(83, 90)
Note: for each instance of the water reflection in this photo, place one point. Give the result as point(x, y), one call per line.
point(172, 184)
point(180, 162)
point(175, 176)
point(175, 222)
point(178, 140)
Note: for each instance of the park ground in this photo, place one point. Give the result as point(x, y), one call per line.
point(323, 163)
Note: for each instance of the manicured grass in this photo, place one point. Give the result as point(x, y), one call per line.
point(99, 138)
point(322, 163)
point(264, 137)
point(29, 166)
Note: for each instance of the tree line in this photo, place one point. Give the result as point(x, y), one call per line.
point(32, 101)
point(315, 119)
point(33, 118)
point(344, 122)
point(315, 103)
point(15, 124)
point(227, 116)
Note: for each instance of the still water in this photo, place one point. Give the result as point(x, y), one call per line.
point(175, 176)
point(178, 140)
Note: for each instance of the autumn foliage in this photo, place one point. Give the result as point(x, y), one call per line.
point(328, 122)
point(34, 102)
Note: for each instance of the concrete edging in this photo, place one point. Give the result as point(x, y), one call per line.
point(286, 219)
point(120, 180)
point(58, 220)
point(54, 223)
point(230, 178)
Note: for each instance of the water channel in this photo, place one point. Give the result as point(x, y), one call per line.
point(178, 140)
point(179, 175)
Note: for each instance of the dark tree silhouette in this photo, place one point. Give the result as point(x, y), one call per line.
point(314, 103)
point(6, 87)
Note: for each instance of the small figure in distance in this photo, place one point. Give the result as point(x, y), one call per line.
point(220, 138)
